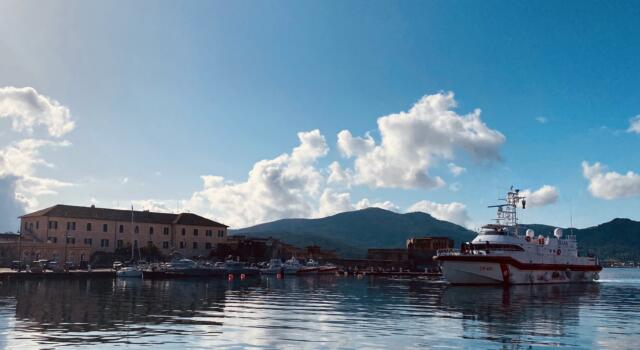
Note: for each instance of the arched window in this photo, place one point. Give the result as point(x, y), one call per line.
point(184, 232)
point(137, 229)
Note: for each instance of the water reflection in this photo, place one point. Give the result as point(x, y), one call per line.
point(319, 312)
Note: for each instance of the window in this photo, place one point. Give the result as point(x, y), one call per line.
point(52, 239)
point(137, 229)
point(88, 226)
point(165, 245)
point(31, 226)
point(195, 245)
point(104, 243)
point(120, 243)
point(220, 233)
point(26, 225)
point(53, 225)
point(207, 245)
point(149, 243)
point(184, 232)
point(105, 227)
point(182, 245)
point(37, 225)
point(207, 233)
point(165, 231)
point(150, 230)
point(195, 231)
point(71, 240)
point(121, 229)
point(88, 241)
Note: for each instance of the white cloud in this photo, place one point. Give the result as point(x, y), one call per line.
point(332, 202)
point(610, 185)
point(411, 142)
point(339, 175)
point(541, 120)
point(545, 195)
point(124, 180)
point(634, 124)
point(456, 170)
point(453, 212)
point(365, 203)
point(285, 186)
point(27, 109)
point(20, 186)
point(350, 146)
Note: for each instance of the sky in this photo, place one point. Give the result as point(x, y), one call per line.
point(251, 111)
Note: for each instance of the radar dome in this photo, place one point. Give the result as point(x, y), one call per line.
point(530, 233)
point(557, 232)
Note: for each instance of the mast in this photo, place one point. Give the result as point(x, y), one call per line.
point(132, 240)
point(507, 217)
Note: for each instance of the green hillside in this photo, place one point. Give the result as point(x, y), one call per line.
point(352, 233)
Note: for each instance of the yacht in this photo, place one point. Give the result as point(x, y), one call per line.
point(310, 268)
point(274, 267)
point(292, 266)
point(501, 254)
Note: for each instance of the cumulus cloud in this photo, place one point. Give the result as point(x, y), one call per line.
point(545, 195)
point(284, 186)
point(365, 203)
point(453, 212)
point(28, 109)
point(610, 185)
point(20, 186)
point(332, 202)
point(634, 125)
point(339, 175)
point(411, 142)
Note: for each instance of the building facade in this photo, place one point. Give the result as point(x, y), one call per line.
point(78, 232)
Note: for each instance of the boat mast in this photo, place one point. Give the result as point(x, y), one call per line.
point(508, 213)
point(132, 240)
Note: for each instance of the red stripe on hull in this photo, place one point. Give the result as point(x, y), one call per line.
point(520, 265)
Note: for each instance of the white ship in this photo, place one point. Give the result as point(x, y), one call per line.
point(501, 255)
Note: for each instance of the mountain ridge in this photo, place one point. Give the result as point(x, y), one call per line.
point(351, 233)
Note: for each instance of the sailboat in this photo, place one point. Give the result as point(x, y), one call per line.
point(131, 271)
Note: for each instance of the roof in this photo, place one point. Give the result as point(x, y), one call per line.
point(77, 212)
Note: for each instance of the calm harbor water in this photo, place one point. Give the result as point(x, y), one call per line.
point(318, 313)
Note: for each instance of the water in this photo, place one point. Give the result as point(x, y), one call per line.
point(319, 313)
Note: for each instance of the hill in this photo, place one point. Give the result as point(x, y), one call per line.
point(351, 233)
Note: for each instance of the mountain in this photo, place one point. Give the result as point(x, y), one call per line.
point(350, 234)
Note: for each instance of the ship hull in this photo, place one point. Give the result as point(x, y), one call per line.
point(505, 270)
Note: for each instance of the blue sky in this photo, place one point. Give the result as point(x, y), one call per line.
point(162, 93)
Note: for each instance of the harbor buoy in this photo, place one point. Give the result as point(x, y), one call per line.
point(243, 276)
point(230, 277)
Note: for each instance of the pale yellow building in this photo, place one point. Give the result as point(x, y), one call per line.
point(87, 230)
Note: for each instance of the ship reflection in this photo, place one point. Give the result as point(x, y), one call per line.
point(517, 315)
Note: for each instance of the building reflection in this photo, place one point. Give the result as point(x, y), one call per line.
point(110, 305)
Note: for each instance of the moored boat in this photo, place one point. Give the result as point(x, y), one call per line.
point(500, 254)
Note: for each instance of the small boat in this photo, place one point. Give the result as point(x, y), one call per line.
point(129, 272)
point(310, 268)
point(292, 266)
point(239, 268)
point(274, 267)
point(327, 269)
